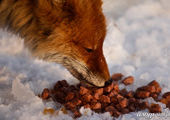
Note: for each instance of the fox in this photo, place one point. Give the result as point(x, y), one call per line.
point(67, 32)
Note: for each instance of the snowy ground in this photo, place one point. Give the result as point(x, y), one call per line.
point(137, 44)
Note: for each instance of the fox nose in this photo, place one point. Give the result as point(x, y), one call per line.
point(108, 82)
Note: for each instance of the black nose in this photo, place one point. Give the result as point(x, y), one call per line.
point(108, 82)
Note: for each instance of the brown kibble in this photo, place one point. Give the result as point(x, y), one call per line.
point(105, 99)
point(123, 103)
point(119, 97)
point(63, 83)
point(113, 93)
point(83, 90)
point(84, 102)
point(72, 88)
point(136, 104)
point(87, 106)
point(104, 105)
point(77, 114)
point(137, 101)
point(155, 108)
point(154, 83)
point(154, 96)
point(59, 96)
point(166, 101)
point(96, 96)
point(57, 86)
point(96, 106)
point(125, 111)
point(94, 100)
point(76, 102)
point(77, 94)
point(69, 96)
point(150, 89)
point(87, 97)
point(70, 105)
point(117, 76)
point(50, 111)
point(141, 88)
point(118, 107)
point(114, 100)
point(168, 105)
point(132, 100)
point(116, 114)
point(158, 90)
point(109, 87)
point(128, 80)
point(166, 95)
point(143, 105)
point(142, 94)
point(130, 94)
point(132, 108)
point(110, 108)
point(64, 110)
point(64, 90)
point(45, 94)
point(99, 91)
point(123, 92)
point(115, 86)
point(112, 86)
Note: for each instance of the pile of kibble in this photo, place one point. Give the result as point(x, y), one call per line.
point(109, 98)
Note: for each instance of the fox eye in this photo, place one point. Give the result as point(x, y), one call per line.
point(89, 50)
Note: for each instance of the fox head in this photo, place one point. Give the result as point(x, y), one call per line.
point(69, 32)
point(77, 31)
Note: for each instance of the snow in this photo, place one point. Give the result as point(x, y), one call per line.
point(137, 43)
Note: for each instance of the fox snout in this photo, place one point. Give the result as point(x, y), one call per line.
point(99, 70)
point(94, 72)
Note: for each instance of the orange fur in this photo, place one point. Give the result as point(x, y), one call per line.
point(69, 32)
